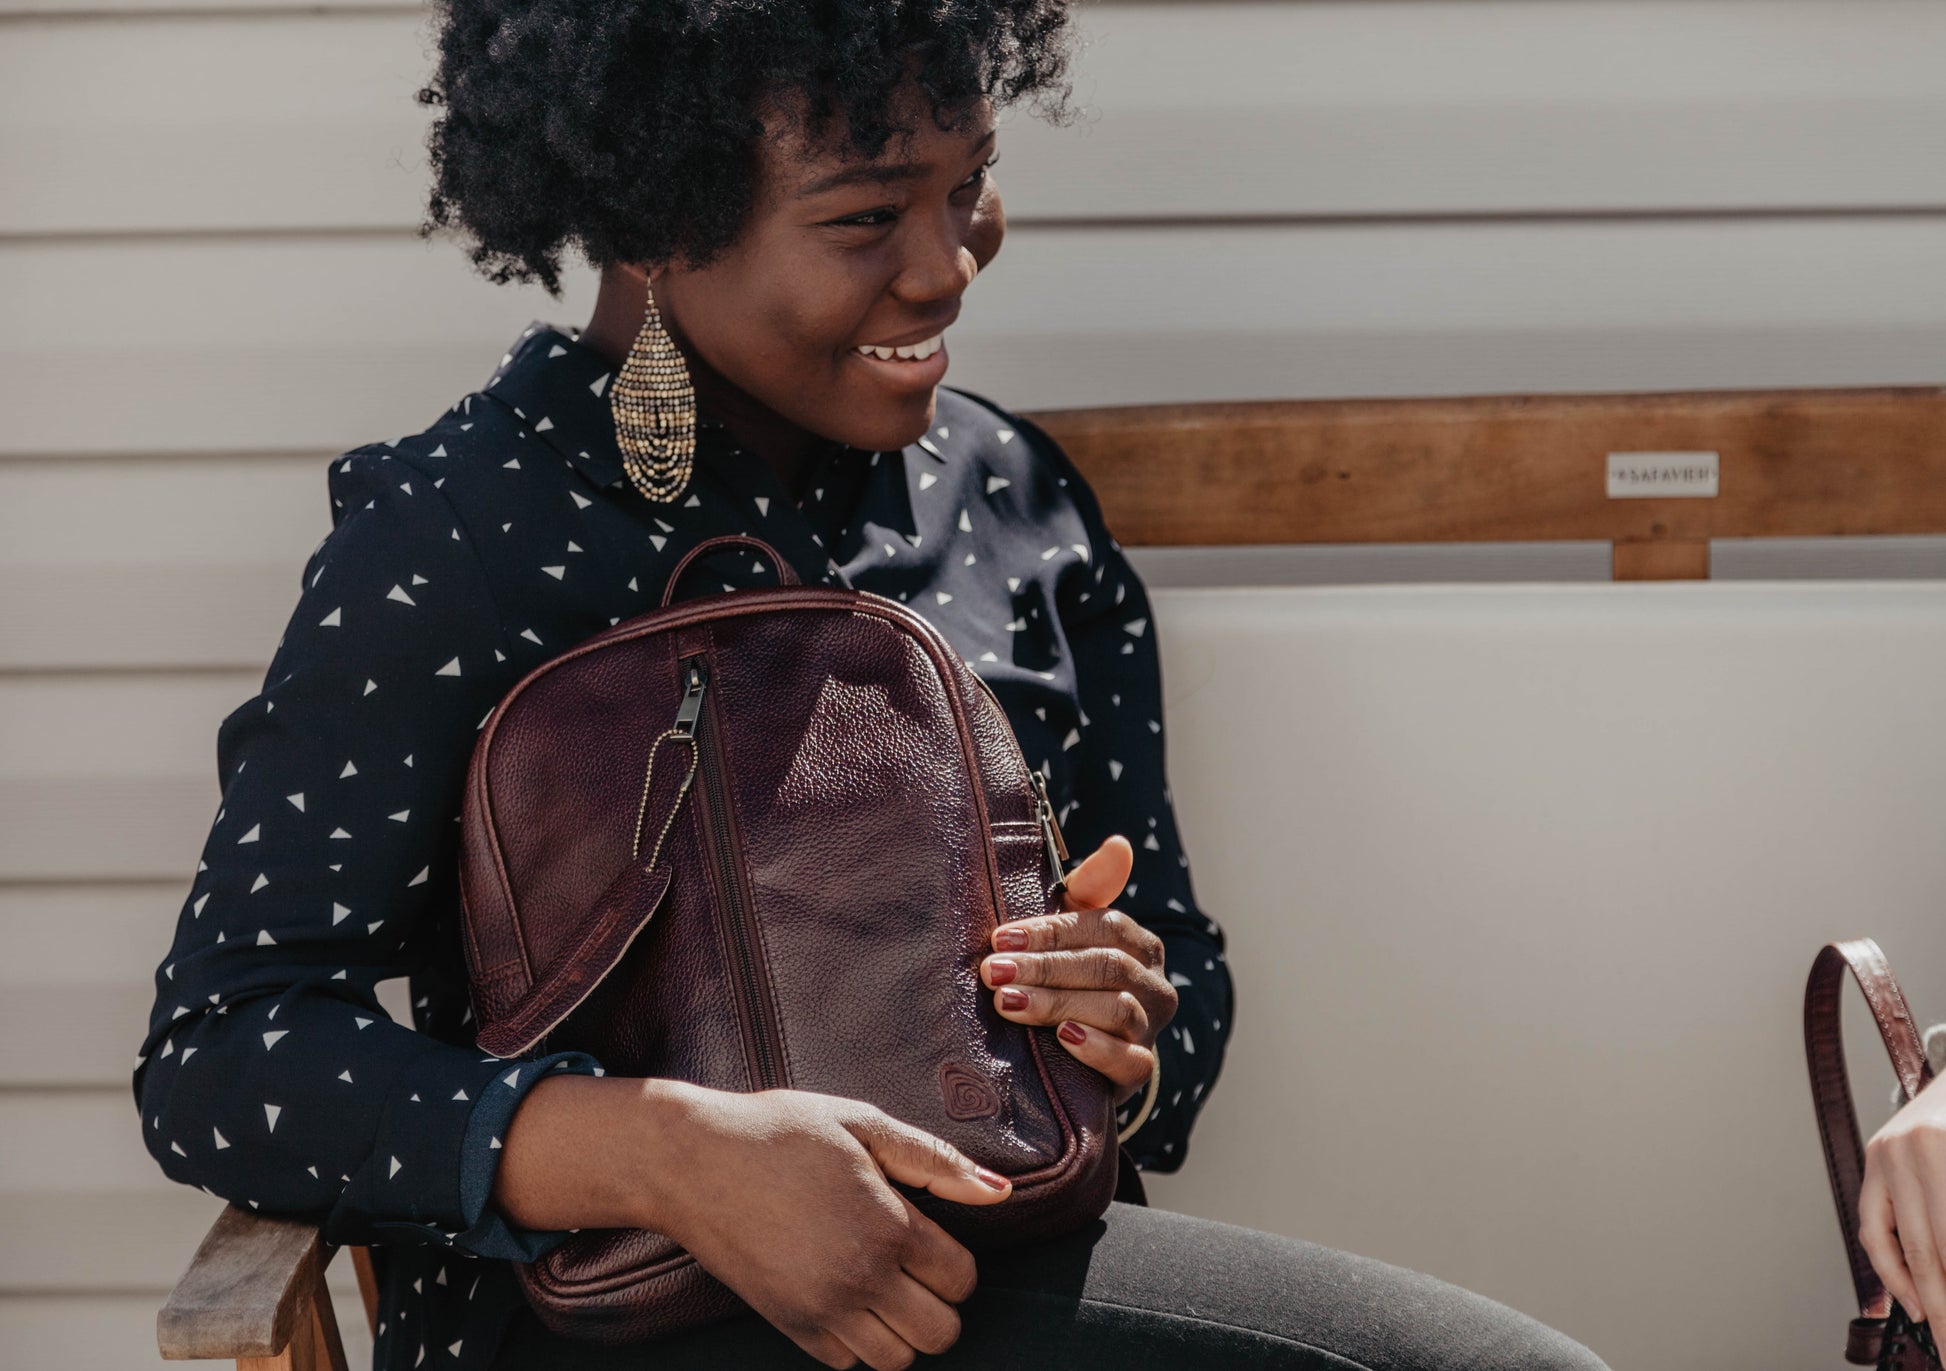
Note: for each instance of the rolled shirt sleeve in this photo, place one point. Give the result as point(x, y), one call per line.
point(1120, 785)
point(270, 1076)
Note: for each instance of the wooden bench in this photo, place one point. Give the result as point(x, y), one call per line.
point(1792, 464)
point(1503, 469)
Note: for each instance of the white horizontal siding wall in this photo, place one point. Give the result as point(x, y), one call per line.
point(1524, 882)
point(212, 282)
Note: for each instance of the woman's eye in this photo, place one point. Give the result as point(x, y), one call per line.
point(880, 218)
point(979, 176)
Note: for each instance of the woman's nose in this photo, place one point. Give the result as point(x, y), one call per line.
point(941, 261)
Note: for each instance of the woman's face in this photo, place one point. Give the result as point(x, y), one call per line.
point(840, 253)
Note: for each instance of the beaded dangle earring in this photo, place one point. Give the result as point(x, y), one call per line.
point(654, 406)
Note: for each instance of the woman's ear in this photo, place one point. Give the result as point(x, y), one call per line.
point(617, 317)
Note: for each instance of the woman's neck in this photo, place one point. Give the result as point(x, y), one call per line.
point(789, 451)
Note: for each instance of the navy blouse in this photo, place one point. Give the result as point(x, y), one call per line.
point(462, 557)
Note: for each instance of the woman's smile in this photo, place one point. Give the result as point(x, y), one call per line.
point(916, 366)
point(905, 352)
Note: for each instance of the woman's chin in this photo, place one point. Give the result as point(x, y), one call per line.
point(895, 399)
point(907, 425)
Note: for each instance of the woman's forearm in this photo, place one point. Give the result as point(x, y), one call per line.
point(592, 1152)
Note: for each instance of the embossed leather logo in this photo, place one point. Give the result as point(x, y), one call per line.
point(967, 1095)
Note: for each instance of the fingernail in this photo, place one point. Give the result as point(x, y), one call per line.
point(1073, 1032)
point(1011, 940)
point(1013, 999)
point(993, 1180)
point(1000, 971)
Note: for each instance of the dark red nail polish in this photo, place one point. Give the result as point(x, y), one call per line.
point(1011, 940)
point(991, 1179)
point(1073, 1032)
point(1013, 999)
point(1000, 971)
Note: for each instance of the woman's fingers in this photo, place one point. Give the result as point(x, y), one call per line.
point(1918, 1241)
point(827, 1348)
point(1093, 968)
point(1101, 987)
point(1115, 1012)
point(1902, 1204)
point(908, 1313)
point(919, 1317)
point(935, 1258)
point(1931, 1175)
point(1098, 881)
point(1877, 1234)
point(916, 1157)
point(1123, 1062)
point(876, 1345)
point(1078, 930)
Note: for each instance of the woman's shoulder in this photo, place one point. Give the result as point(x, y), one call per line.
point(471, 429)
point(469, 501)
point(1006, 440)
point(991, 426)
point(1015, 449)
point(477, 463)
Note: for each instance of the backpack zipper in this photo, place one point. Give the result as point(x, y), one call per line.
point(1057, 846)
point(761, 1034)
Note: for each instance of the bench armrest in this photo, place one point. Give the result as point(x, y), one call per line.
point(246, 1290)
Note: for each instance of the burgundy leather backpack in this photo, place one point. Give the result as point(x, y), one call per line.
point(761, 839)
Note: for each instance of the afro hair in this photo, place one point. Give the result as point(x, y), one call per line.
point(628, 129)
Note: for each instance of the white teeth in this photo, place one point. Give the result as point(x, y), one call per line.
point(915, 352)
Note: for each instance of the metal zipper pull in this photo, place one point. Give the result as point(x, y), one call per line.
point(683, 731)
point(1057, 846)
point(692, 700)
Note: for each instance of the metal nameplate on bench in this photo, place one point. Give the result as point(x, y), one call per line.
point(1662, 475)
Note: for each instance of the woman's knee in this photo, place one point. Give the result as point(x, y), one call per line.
point(1366, 1311)
point(1517, 1343)
point(1439, 1326)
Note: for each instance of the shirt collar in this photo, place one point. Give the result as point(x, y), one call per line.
point(558, 386)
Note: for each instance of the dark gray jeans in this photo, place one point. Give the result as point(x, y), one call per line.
point(1149, 1290)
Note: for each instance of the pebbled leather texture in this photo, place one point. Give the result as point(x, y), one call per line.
point(859, 819)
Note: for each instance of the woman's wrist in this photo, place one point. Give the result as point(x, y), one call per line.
point(594, 1152)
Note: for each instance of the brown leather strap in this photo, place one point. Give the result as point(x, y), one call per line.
point(1844, 1153)
point(785, 576)
point(624, 910)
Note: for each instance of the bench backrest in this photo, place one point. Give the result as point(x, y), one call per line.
point(1788, 463)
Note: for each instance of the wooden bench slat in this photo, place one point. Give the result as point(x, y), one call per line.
point(1799, 463)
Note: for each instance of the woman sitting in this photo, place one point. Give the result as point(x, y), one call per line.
point(787, 203)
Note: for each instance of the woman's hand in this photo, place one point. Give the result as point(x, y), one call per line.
point(1902, 1203)
point(782, 1195)
point(1092, 970)
point(784, 1199)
